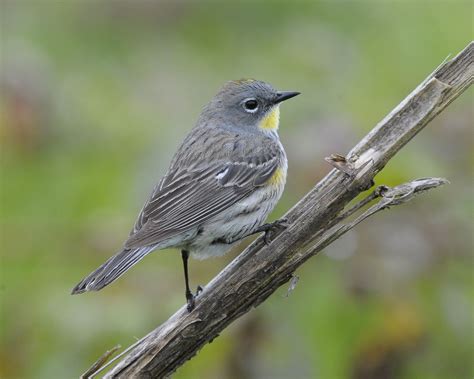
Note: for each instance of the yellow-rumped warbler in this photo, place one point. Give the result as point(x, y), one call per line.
point(222, 183)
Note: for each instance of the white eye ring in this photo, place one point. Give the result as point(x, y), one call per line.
point(250, 105)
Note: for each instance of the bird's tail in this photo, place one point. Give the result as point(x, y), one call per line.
point(111, 270)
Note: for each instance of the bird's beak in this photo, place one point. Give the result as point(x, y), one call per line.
point(285, 95)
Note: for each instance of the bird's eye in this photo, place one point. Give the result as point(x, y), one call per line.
point(251, 105)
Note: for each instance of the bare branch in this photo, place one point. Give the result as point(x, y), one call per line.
point(313, 223)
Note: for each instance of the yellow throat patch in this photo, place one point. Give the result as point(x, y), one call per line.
point(271, 120)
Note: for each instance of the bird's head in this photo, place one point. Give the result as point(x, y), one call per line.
point(247, 104)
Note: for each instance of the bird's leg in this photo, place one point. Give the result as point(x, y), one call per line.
point(281, 223)
point(189, 295)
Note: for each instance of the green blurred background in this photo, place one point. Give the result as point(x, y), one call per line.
point(97, 95)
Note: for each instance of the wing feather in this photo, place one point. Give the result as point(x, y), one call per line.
point(188, 198)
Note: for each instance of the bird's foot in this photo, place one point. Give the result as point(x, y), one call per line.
point(270, 228)
point(191, 298)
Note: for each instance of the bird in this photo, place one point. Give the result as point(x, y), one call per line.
point(223, 181)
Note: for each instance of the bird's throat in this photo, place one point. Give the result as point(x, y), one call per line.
point(271, 120)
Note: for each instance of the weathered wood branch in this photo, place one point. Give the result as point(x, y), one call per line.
point(314, 222)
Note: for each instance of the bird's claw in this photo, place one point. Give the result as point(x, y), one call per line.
point(190, 301)
point(270, 228)
point(191, 298)
point(198, 290)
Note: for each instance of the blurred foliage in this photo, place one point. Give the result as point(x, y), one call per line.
point(97, 95)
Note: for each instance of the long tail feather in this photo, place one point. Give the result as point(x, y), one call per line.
point(111, 270)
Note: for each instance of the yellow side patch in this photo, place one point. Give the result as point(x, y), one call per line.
point(271, 120)
point(278, 177)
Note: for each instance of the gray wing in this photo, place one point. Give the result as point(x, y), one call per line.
point(186, 198)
